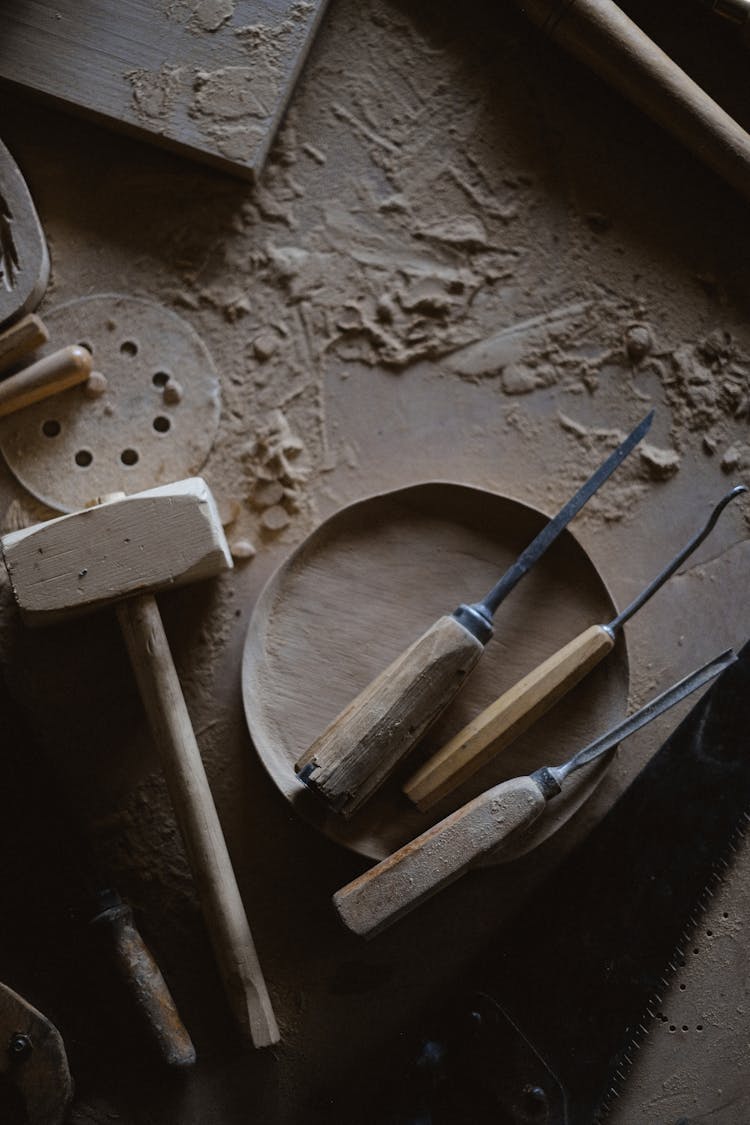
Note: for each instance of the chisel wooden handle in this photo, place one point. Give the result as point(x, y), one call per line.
point(142, 977)
point(357, 752)
point(438, 857)
point(197, 818)
point(46, 377)
point(507, 718)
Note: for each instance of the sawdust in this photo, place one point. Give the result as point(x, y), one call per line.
point(426, 225)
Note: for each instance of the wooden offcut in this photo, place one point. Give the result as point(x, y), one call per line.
point(210, 78)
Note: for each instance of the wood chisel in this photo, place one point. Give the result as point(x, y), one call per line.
point(518, 708)
point(552, 1014)
point(352, 758)
point(447, 850)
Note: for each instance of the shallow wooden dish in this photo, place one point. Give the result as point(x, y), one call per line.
point(363, 586)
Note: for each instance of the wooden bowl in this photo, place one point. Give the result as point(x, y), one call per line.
point(370, 580)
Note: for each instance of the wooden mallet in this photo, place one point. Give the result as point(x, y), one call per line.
point(121, 552)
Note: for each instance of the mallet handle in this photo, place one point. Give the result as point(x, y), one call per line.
point(183, 768)
point(507, 718)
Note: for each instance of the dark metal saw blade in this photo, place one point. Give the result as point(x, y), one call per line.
point(579, 973)
point(583, 969)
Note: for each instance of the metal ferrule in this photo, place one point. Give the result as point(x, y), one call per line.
point(547, 782)
point(475, 621)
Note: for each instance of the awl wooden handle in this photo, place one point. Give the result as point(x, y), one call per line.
point(357, 752)
point(507, 718)
point(197, 818)
point(438, 857)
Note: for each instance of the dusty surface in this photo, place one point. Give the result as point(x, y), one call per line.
point(443, 176)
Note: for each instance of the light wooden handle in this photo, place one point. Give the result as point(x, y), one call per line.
point(438, 857)
point(600, 34)
point(197, 818)
point(26, 335)
point(358, 751)
point(507, 718)
point(46, 377)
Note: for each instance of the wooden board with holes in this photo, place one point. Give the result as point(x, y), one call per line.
point(210, 78)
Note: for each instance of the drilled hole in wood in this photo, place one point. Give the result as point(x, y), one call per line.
point(51, 428)
point(84, 458)
point(162, 424)
point(129, 457)
point(161, 378)
point(129, 348)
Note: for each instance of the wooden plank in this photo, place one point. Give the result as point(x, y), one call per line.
point(210, 78)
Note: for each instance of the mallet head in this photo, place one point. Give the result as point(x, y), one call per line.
point(164, 537)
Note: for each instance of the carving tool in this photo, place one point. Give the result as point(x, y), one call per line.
point(447, 850)
point(567, 992)
point(123, 551)
point(48, 376)
point(349, 761)
point(518, 708)
point(142, 977)
point(600, 35)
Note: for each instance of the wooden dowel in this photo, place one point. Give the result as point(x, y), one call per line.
point(197, 818)
point(23, 337)
point(46, 377)
point(600, 34)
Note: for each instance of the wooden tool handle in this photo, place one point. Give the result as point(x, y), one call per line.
point(23, 337)
point(46, 377)
point(600, 34)
point(354, 756)
point(142, 977)
point(197, 818)
point(507, 718)
point(438, 857)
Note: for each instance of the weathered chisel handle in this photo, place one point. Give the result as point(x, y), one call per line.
point(197, 818)
point(438, 857)
point(357, 752)
point(507, 718)
point(142, 977)
point(48, 376)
